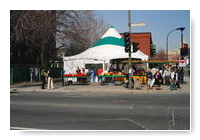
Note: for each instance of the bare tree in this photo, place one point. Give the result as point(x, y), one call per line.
point(78, 30)
point(161, 55)
point(36, 31)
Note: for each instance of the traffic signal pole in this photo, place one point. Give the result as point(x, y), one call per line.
point(129, 54)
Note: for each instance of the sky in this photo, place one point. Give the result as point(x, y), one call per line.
point(158, 22)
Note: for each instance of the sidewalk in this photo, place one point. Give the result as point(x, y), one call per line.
point(94, 88)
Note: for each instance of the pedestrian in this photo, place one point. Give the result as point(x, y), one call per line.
point(178, 78)
point(93, 74)
point(166, 75)
point(158, 79)
point(181, 75)
point(153, 71)
point(127, 80)
point(133, 71)
point(173, 79)
point(50, 79)
point(111, 69)
point(43, 77)
point(78, 70)
point(36, 74)
point(32, 73)
point(99, 72)
point(149, 78)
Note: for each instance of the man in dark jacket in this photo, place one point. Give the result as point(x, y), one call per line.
point(149, 78)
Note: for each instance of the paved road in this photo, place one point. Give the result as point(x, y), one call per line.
point(73, 111)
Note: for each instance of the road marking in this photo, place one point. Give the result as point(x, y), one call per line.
point(65, 105)
point(126, 119)
point(122, 101)
point(24, 128)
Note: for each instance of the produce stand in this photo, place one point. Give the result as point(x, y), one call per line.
point(141, 78)
point(116, 79)
point(80, 78)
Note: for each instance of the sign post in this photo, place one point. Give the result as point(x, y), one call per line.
point(138, 24)
point(182, 62)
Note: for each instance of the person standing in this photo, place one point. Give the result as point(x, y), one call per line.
point(43, 77)
point(93, 74)
point(181, 75)
point(99, 72)
point(173, 79)
point(78, 70)
point(111, 69)
point(149, 78)
point(32, 74)
point(166, 75)
point(153, 71)
point(158, 79)
point(50, 79)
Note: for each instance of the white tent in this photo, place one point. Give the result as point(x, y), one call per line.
point(110, 46)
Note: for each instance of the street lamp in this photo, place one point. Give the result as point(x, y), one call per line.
point(181, 29)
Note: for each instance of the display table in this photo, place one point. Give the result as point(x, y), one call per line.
point(80, 79)
point(142, 78)
point(116, 79)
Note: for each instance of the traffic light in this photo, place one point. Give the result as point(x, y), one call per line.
point(185, 45)
point(184, 51)
point(153, 49)
point(127, 42)
point(135, 46)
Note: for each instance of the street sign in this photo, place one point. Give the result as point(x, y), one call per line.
point(138, 24)
point(182, 62)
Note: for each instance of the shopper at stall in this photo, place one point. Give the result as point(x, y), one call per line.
point(111, 69)
point(78, 70)
point(83, 70)
point(93, 74)
point(99, 72)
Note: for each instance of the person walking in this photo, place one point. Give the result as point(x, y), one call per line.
point(50, 79)
point(43, 77)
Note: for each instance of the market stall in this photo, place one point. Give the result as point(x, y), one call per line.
point(80, 78)
point(113, 77)
point(109, 47)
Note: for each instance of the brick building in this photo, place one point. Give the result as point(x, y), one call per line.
point(144, 40)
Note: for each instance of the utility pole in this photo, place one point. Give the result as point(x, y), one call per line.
point(129, 54)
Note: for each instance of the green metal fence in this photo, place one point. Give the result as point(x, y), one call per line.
point(22, 74)
point(19, 74)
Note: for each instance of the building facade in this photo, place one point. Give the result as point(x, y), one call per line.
point(144, 40)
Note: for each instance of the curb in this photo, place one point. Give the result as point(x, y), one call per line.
point(113, 91)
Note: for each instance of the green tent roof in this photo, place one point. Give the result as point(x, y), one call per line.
point(109, 41)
